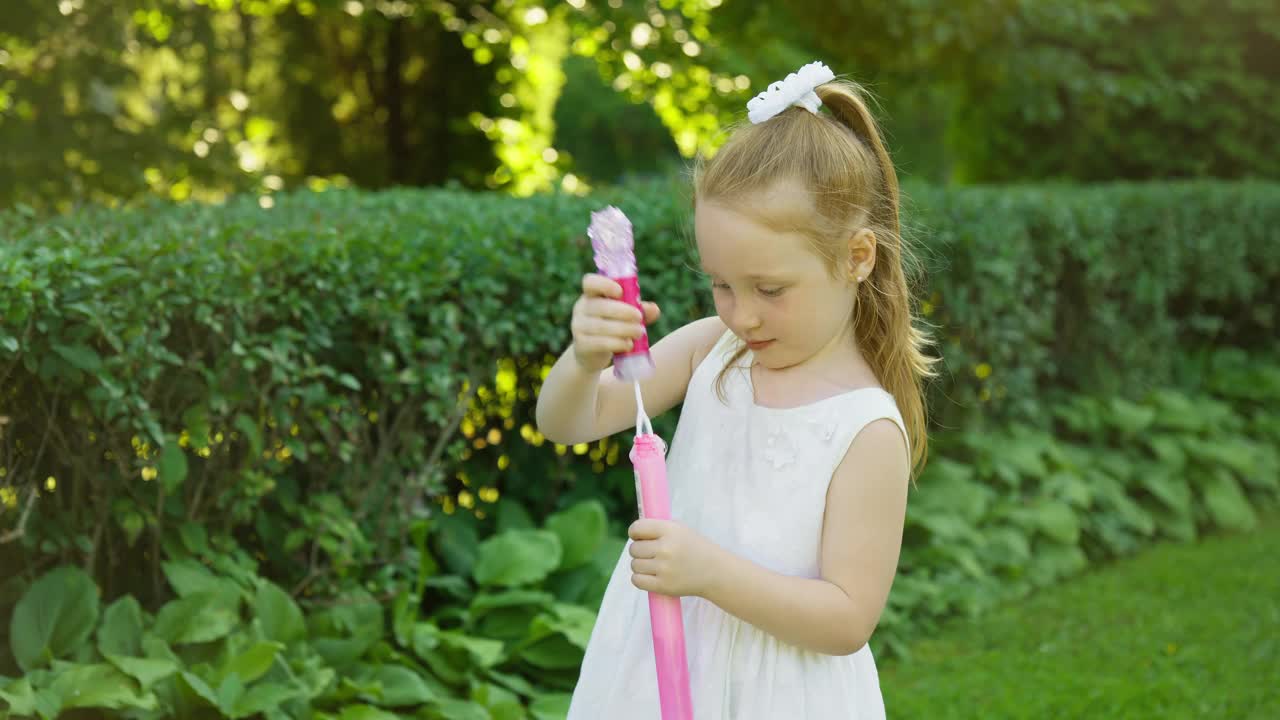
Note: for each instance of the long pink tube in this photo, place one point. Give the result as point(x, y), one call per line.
point(664, 611)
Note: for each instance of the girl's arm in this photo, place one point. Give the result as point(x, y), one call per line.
point(861, 541)
point(576, 405)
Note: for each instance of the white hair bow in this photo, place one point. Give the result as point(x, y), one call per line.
point(796, 89)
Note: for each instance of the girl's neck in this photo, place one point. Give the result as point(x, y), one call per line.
point(838, 367)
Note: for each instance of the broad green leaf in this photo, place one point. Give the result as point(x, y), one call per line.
point(1052, 561)
point(511, 515)
point(244, 424)
point(262, 697)
point(608, 555)
point(507, 624)
point(194, 538)
point(173, 466)
point(550, 707)
point(359, 614)
point(197, 618)
point(517, 557)
point(1006, 546)
point(254, 662)
point(343, 633)
point(953, 491)
point(553, 652)
point(581, 529)
point(196, 421)
point(147, 671)
point(457, 544)
point(572, 621)
point(54, 617)
point(1179, 525)
point(1169, 451)
point(1172, 490)
point(1058, 521)
point(188, 577)
point(100, 686)
point(229, 693)
point(156, 648)
point(1227, 503)
point(341, 652)
point(20, 697)
point(279, 615)
point(1129, 417)
point(483, 652)
point(399, 686)
point(946, 527)
point(450, 709)
point(1070, 487)
point(501, 703)
point(199, 687)
point(121, 629)
point(514, 683)
point(365, 712)
point(80, 355)
point(510, 598)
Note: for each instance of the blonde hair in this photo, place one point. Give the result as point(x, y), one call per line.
point(842, 163)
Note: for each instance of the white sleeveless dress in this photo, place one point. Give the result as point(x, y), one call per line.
point(754, 480)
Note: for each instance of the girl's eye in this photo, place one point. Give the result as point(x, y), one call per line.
point(771, 292)
point(720, 286)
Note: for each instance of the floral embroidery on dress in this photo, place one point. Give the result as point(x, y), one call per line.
point(780, 447)
point(825, 425)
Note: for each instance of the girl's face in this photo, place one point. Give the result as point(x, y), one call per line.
point(771, 289)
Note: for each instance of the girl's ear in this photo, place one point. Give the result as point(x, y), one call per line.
point(862, 254)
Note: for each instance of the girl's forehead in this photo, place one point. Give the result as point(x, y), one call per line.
point(732, 242)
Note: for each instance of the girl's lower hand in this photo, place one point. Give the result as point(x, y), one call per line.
point(671, 559)
point(603, 325)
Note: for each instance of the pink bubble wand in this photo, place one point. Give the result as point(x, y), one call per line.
point(611, 238)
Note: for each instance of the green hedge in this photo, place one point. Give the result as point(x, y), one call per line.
point(292, 393)
point(331, 345)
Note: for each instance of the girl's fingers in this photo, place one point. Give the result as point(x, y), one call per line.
point(605, 345)
point(647, 583)
point(609, 328)
point(643, 550)
point(599, 285)
point(644, 567)
point(651, 312)
point(611, 309)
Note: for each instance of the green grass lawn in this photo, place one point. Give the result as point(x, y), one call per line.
point(1178, 631)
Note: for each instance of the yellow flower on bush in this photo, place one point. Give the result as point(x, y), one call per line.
point(983, 371)
point(8, 497)
point(149, 473)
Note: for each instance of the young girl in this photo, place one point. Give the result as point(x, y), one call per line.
point(802, 421)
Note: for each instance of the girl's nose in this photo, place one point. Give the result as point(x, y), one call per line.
point(745, 316)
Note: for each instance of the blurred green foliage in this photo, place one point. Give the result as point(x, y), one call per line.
point(194, 100)
point(1074, 89)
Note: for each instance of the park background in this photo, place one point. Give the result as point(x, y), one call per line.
point(282, 278)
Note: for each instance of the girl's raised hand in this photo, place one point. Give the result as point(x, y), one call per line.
point(603, 325)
